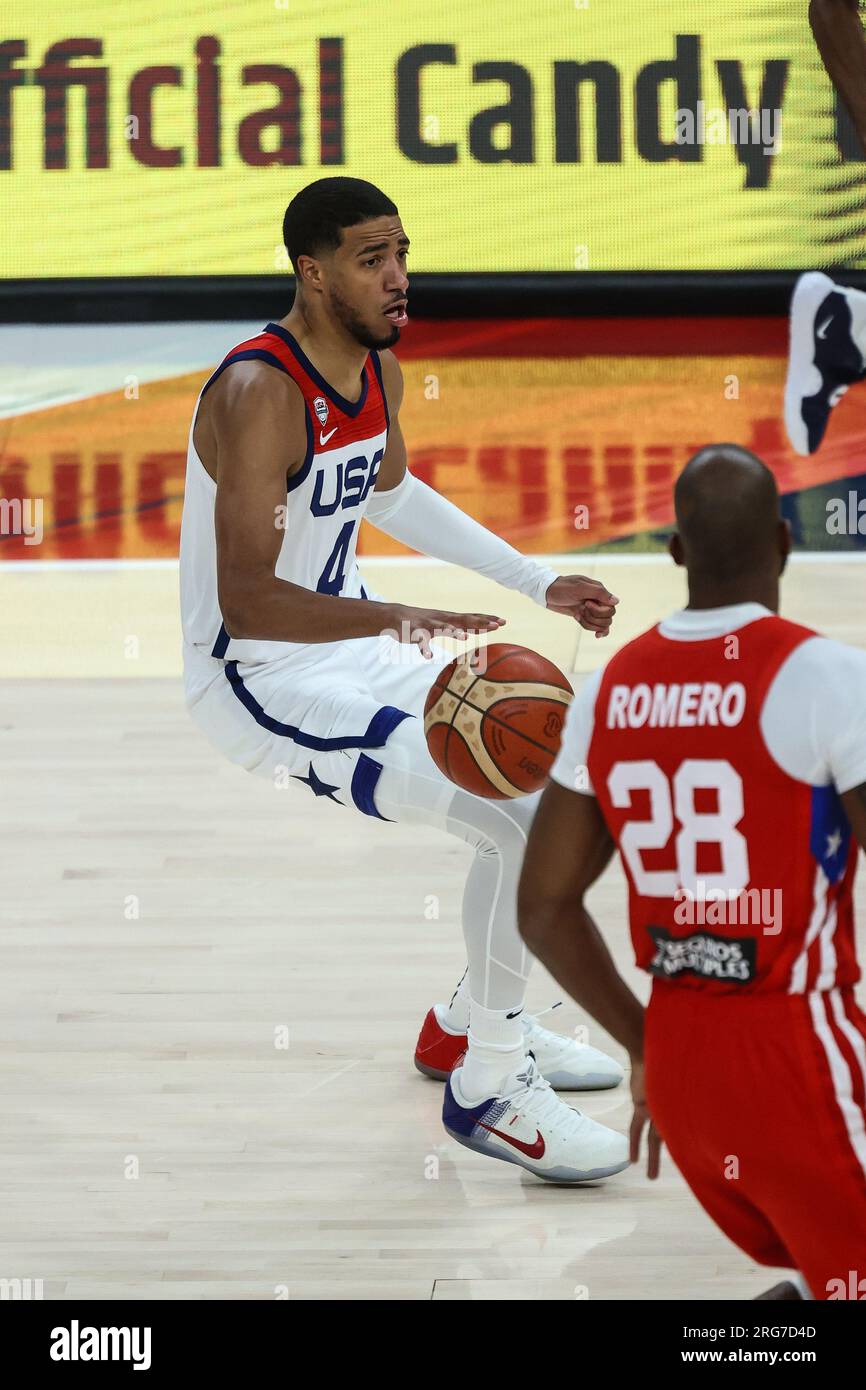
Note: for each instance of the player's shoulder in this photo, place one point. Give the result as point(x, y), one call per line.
point(581, 710)
point(632, 651)
point(822, 662)
point(250, 386)
point(587, 691)
point(819, 683)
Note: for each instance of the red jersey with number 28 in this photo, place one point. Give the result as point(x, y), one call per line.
point(740, 877)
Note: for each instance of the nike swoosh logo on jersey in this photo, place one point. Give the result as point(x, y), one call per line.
point(824, 327)
point(535, 1150)
point(323, 438)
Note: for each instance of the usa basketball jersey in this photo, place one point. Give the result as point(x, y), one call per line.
point(739, 874)
point(325, 499)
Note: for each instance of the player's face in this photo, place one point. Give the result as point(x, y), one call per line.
point(366, 285)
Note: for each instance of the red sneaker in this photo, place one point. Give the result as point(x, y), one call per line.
point(565, 1064)
point(437, 1051)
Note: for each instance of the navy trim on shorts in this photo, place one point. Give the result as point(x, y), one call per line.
point(364, 778)
point(383, 723)
point(350, 408)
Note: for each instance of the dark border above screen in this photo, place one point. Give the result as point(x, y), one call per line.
point(434, 296)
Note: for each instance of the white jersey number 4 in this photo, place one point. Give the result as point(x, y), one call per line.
point(696, 827)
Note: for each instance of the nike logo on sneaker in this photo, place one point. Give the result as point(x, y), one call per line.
point(323, 438)
point(516, 1014)
point(824, 328)
point(535, 1150)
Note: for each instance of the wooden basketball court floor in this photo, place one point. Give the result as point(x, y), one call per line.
point(210, 991)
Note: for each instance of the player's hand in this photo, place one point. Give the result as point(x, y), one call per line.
point(585, 600)
point(421, 625)
point(641, 1117)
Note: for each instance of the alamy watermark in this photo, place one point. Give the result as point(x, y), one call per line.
point(846, 516)
point(397, 647)
point(723, 907)
point(20, 1290)
point(734, 126)
point(22, 516)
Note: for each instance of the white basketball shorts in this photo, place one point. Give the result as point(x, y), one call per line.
point(326, 717)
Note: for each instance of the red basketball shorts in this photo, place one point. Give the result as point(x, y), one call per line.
point(761, 1101)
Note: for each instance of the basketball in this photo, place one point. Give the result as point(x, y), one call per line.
point(493, 719)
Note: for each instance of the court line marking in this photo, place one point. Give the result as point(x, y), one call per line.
point(578, 557)
point(326, 1080)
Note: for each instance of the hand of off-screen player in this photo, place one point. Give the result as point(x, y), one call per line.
point(585, 600)
point(420, 625)
point(641, 1117)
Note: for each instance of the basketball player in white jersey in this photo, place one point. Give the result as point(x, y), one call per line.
point(292, 664)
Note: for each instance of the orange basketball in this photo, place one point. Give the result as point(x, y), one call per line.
point(494, 717)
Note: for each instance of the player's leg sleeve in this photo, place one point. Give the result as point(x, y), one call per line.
point(412, 790)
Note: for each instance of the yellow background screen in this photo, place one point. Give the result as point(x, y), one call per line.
point(167, 139)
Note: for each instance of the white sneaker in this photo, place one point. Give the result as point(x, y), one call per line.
point(823, 359)
point(566, 1064)
point(528, 1125)
point(569, 1065)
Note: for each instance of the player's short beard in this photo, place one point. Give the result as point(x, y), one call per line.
point(353, 324)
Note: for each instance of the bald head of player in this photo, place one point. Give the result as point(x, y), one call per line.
point(731, 536)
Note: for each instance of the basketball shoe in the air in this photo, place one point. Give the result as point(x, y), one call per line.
point(565, 1063)
point(527, 1124)
point(824, 359)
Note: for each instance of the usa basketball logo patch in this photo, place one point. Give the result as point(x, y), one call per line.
point(320, 405)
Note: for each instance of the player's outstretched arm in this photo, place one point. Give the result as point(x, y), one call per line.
point(259, 432)
point(842, 44)
point(411, 512)
point(569, 847)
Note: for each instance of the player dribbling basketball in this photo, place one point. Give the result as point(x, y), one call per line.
point(292, 664)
